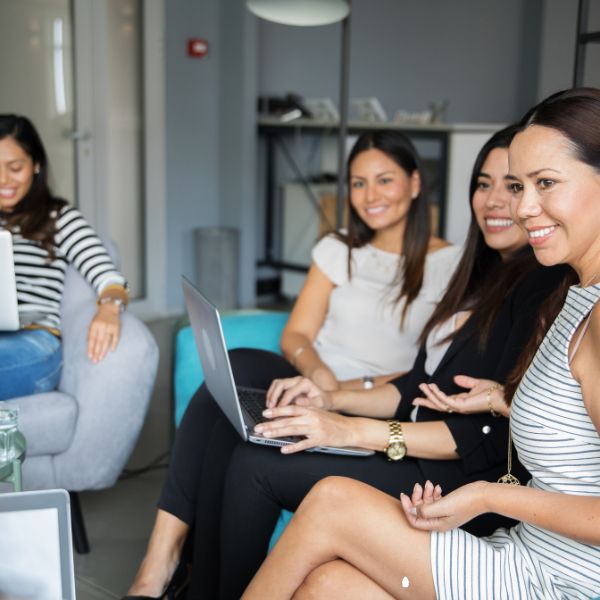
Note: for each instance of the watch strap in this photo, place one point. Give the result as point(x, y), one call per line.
point(396, 435)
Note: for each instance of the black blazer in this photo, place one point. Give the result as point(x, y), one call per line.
point(481, 439)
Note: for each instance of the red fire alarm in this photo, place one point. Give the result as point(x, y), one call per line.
point(197, 48)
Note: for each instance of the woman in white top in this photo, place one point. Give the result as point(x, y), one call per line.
point(371, 289)
point(355, 324)
point(361, 331)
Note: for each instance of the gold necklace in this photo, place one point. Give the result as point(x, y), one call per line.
point(509, 477)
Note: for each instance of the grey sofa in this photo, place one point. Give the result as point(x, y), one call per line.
point(80, 436)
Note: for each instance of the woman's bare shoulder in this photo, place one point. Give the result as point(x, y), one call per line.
point(436, 243)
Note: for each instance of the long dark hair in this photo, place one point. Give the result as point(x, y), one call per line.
point(482, 279)
point(34, 217)
point(400, 149)
point(575, 113)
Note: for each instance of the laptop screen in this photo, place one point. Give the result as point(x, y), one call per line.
point(33, 546)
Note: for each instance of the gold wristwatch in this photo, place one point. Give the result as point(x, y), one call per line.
point(396, 448)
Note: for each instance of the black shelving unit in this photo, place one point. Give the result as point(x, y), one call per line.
point(583, 38)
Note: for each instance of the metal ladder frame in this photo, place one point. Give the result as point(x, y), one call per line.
point(582, 39)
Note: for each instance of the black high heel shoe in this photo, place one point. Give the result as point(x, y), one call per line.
point(178, 584)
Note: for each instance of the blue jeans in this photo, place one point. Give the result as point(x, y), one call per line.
point(30, 362)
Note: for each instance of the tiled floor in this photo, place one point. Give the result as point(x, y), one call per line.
point(118, 522)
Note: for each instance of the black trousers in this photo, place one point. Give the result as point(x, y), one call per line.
point(232, 492)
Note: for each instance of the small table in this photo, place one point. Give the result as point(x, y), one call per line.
point(11, 471)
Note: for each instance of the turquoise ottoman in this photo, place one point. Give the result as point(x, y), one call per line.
point(284, 519)
point(241, 329)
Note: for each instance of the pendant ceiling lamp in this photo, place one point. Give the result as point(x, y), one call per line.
point(300, 12)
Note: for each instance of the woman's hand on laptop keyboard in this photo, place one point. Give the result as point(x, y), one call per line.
point(318, 427)
point(300, 391)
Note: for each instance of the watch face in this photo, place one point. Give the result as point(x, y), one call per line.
point(396, 451)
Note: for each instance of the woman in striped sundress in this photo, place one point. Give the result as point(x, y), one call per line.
point(48, 236)
point(378, 548)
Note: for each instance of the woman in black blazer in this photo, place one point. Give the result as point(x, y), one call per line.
point(478, 329)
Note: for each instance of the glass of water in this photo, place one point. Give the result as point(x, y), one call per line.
point(8, 432)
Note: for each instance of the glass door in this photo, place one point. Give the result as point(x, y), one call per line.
point(36, 70)
point(75, 68)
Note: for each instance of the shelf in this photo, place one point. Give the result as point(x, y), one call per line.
point(354, 126)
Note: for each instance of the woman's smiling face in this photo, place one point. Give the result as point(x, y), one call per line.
point(491, 204)
point(381, 191)
point(16, 174)
point(556, 198)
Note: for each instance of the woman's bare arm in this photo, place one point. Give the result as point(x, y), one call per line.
point(305, 321)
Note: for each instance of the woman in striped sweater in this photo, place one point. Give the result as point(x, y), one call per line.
point(349, 540)
point(48, 236)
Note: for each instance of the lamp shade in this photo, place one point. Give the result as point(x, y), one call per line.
point(300, 12)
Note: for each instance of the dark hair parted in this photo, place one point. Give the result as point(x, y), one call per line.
point(482, 279)
point(34, 217)
point(415, 242)
point(575, 113)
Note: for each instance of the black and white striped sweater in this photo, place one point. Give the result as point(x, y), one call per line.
point(40, 283)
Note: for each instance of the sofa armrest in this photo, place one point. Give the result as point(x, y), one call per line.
point(112, 398)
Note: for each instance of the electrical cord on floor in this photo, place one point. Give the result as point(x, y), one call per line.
point(151, 466)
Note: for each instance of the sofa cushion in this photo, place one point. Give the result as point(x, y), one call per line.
point(53, 432)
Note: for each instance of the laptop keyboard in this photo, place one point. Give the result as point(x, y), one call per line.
point(254, 401)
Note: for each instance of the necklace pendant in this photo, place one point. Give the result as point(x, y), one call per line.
point(509, 479)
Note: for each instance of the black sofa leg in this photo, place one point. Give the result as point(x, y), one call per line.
point(80, 540)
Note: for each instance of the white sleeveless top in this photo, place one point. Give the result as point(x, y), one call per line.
point(361, 334)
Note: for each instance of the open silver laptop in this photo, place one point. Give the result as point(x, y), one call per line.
point(242, 406)
point(35, 546)
point(9, 311)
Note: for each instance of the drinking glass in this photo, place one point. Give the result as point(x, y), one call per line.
point(8, 431)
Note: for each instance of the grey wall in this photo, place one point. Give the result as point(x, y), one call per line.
point(478, 54)
point(210, 134)
point(238, 165)
point(192, 105)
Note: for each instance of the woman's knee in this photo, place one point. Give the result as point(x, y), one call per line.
point(30, 363)
point(331, 492)
point(200, 408)
point(248, 467)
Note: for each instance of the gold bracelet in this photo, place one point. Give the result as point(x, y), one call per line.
point(495, 387)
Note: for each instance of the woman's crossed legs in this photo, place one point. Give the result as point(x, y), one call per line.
point(347, 540)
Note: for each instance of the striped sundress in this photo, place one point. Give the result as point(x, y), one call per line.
point(558, 443)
